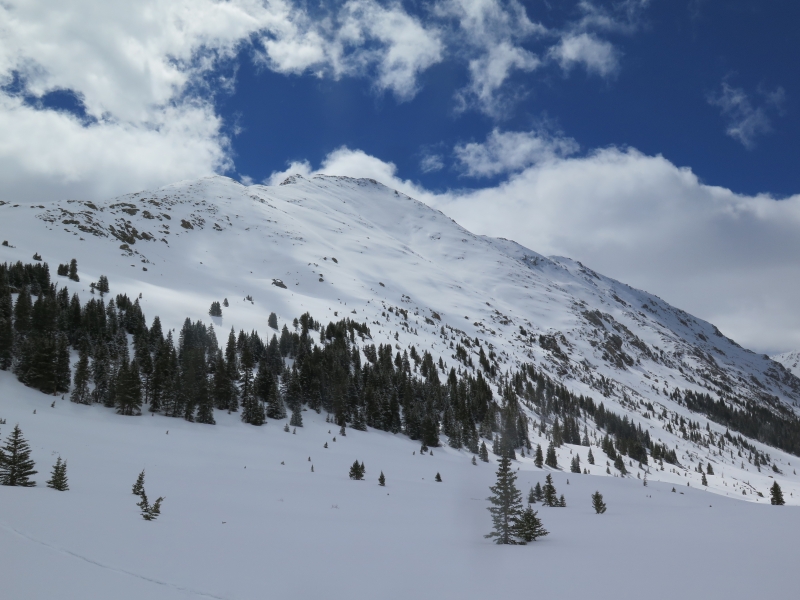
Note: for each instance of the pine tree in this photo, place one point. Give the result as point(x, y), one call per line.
point(381, 480)
point(296, 420)
point(590, 458)
point(73, 270)
point(58, 478)
point(575, 464)
point(138, 487)
point(549, 492)
point(357, 471)
point(562, 502)
point(506, 503)
point(531, 497)
point(483, 452)
point(528, 526)
point(272, 321)
point(538, 493)
point(80, 385)
point(538, 459)
point(776, 495)
point(215, 310)
point(438, 478)
point(16, 465)
point(598, 504)
point(6, 325)
point(551, 460)
point(709, 469)
point(703, 480)
point(619, 464)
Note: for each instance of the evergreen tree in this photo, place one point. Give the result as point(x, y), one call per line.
point(58, 478)
point(575, 464)
point(776, 495)
point(102, 285)
point(538, 459)
point(528, 526)
point(562, 502)
point(438, 478)
point(551, 460)
point(138, 487)
point(16, 465)
point(703, 480)
point(73, 270)
point(549, 492)
point(128, 389)
point(619, 464)
point(357, 471)
point(6, 325)
point(538, 492)
point(296, 419)
point(215, 310)
point(597, 503)
point(590, 458)
point(80, 384)
point(506, 503)
point(709, 469)
point(272, 321)
point(483, 452)
point(381, 480)
point(531, 497)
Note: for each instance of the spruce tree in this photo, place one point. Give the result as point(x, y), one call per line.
point(138, 487)
point(80, 384)
point(538, 492)
point(506, 503)
point(549, 492)
point(776, 495)
point(551, 460)
point(357, 471)
point(73, 270)
point(529, 526)
point(531, 497)
point(538, 458)
point(703, 480)
point(16, 465)
point(438, 478)
point(598, 504)
point(483, 452)
point(381, 480)
point(6, 325)
point(575, 464)
point(590, 458)
point(58, 478)
point(619, 464)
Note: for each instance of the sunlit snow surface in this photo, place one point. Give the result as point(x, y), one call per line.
point(292, 533)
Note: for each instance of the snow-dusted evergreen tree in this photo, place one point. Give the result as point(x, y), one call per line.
point(538, 493)
point(58, 478)
point(357, 471)
point(382, 480)
point(506, 506)
point(138, 486)
point(575, 464)
point(529, 526)
point(590, 457)
point(483, 453)
point(598, 504)
point(16, 465)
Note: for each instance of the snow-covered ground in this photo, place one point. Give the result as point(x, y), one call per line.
point(238, 524)
point(354, 248)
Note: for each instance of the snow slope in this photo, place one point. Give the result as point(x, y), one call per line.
point(239, 525)
point(790, 360)
point(354, 248)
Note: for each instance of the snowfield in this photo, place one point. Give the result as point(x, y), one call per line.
point(238, 524)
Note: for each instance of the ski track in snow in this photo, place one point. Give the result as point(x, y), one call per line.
point(97, 563)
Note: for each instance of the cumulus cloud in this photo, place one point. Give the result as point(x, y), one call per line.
point(597, 56)
point(510, 151)
point(722, 256)
point(745, 121)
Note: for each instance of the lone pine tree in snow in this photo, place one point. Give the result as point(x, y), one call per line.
point(382, 480)
point(16, 465)
point(597, 503)
point(150, 512)
point(506, 502)
point(58, 478)
point(590, 458)
point(357, 471)
point(139, 485)
point(776, 495)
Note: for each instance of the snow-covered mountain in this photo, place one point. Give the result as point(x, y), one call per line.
point(344, 248)
point(790, 360)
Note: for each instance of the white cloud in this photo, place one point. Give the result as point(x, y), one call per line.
point(598, 56)
point(431, 163)
point(746, 122)
point(512, 151)
point(722, 256)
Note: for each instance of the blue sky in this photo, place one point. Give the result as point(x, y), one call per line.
point(680, 64)
point(654, 140)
